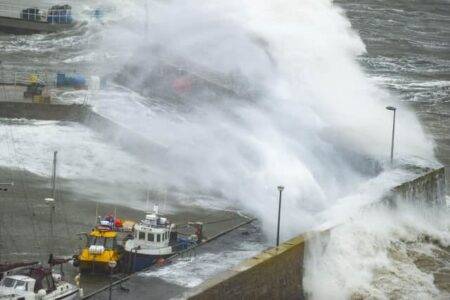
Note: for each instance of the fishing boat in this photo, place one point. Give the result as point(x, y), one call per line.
point(154, 239)
point(34, 281)
point(104, 244)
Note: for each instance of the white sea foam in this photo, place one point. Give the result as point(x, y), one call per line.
point(82, 153)
point(374, 255)
point(192, 271)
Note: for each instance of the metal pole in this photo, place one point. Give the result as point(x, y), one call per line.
point(112, 264)
point(52, 204)
point(54, 175)
point(392, 142)
point(394, 109)
point(110, 283)
point(280, 189)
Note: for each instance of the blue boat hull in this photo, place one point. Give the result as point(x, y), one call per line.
point(135, 262)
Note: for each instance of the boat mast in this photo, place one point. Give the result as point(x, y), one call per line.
point(54, 175)
point(51, 202)
point(147, 201)
point(52, 207)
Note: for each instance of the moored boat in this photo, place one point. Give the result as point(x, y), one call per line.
point(37, 282)
point(154, 239)
point(101, 248)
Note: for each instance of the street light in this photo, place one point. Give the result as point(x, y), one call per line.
point(112, 264)
point(280, 189)
point(394, 109)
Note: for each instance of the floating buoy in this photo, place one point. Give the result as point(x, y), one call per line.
point(118, 223)
point(160, 262)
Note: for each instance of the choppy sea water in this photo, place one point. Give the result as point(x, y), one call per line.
point(407, 52)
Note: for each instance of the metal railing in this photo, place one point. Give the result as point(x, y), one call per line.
point(25, 77)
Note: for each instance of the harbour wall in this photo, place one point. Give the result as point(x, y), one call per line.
point(428, 189)
point(38, 111)
point(277, 273)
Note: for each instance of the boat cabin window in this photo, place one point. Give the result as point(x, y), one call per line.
point(141, 235)
point(158, 238)
point(110, 243)
point(8, 282)
point(21, 285)
point(14, 283)
point(99, 241)
point(150, 237)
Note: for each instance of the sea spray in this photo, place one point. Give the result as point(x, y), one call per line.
point(386, 247)
point(296, 108)
point(313, 114)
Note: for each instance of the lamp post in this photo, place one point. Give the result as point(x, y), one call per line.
point(50, 201)
point(280, 189)
point(394, 109)
point(112, 264)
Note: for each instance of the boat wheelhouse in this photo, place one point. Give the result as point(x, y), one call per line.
point(101, 247)
point(153, 238)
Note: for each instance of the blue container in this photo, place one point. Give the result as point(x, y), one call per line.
point(60, 14)
point(60, 79)
point(77, 80)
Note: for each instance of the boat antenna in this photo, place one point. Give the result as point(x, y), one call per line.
point(96, 213)
point(54, 175)
point(165, 199)
point(147, 201)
